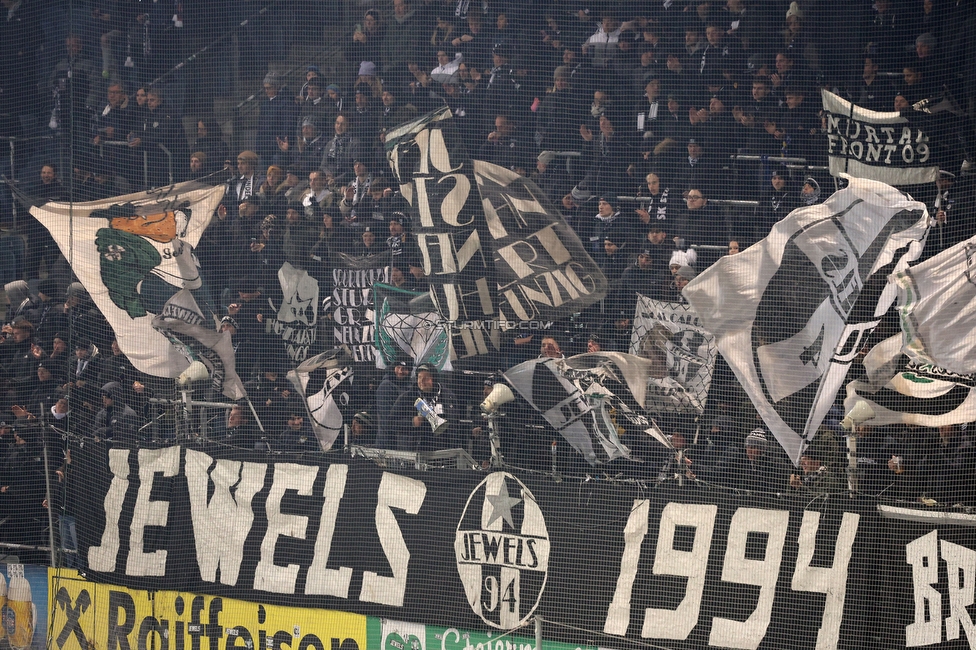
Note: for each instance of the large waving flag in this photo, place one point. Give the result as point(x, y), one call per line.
point(927, 375)
point(937, 303)
point(493, 246)
point(682, 353)
point(323, 381)
point(563, 404)
point(792, 312)
point(133, 253)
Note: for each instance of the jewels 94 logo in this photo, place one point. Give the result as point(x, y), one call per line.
point(502, 551)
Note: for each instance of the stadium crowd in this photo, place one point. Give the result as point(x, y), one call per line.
point(669, 133)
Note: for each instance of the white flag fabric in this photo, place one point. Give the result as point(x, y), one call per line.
point(406, 323)
point(879, 146)
point(792, 312)
point(132, 253)
point(297, 319)
point(918, 394)
point(937, 303)
point(194, 336)
point(682, 353)
point(320, 380)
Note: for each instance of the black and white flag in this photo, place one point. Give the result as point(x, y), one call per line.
point(192, 333)
point(564, 405)
point(881, 146)
point(681, 352)
point(791, 313)
point(898, 391)
point(937, 304)
point(492, 245)
point(297, 319)
point(324, 382)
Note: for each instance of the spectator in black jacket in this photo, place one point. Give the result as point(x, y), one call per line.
point(160, 137)
point(414, 431)
point(117, 420)
point(276, 122)
point(952, 468)
point(396, 381)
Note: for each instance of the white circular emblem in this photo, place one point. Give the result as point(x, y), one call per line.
point(502, 551)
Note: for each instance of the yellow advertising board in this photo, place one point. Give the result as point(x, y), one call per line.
point(91, 616)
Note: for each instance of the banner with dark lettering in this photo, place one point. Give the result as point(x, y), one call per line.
point(351, 306)
point(681, 351)
point(544, 273)
point(296, 321)
point(87, 615)
point(673, 567)
point(881, 146)
point(437, 180)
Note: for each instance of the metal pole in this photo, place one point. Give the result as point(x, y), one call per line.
point(538, 633)
point(13, 175)
point(50, 505)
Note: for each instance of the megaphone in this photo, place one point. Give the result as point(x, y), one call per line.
point(500, 394)
point(437, 423)
point(862, 412)
point(195, 372)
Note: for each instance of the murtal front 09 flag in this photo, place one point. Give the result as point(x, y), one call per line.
point(881, 146)
point(133, 253)
point(792, 312)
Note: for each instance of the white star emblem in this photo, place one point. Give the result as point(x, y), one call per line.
point(501, 505)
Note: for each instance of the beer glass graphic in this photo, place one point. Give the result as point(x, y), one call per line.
point(19, 612)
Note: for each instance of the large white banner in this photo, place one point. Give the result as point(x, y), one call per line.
point(937, 302)
point(132, 253)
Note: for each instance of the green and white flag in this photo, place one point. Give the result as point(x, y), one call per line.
point(406, 322)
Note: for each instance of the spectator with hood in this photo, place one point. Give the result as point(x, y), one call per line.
point(396, 381)
point(810, 194)
point(116, 420)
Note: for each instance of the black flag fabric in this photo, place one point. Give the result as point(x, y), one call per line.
point(493, 246)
